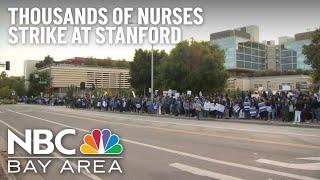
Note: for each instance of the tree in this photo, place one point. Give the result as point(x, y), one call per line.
point(4, 80)
point(18, 86)
point(90, 62)
point(3, 75)
point(39, 82)
point(10, 84)
point(195, 66)
point(47, 61)
point(312, 53)
point(71, 91)
point(5, 92)
point(140, 68)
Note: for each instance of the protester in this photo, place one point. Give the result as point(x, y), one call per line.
point(298, 110)
point(287, 107)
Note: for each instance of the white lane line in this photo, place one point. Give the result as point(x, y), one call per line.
point(202, 172)
point(237, 165)
point(198, 125)
point(311, 158)
point(303, 166)
point(56, 155)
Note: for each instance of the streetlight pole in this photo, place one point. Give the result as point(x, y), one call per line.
point(152, 72)
point(152, 59)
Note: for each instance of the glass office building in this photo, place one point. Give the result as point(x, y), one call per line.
point(240, 52)
point(291, 57)
point(229, 46)
point(244, 53)
point(251, 55)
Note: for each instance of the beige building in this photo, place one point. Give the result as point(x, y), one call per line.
point(273, 83)
point(64, 75)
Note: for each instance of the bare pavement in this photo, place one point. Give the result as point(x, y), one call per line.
point(171, 148)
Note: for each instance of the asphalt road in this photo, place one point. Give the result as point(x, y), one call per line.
point(165, 148)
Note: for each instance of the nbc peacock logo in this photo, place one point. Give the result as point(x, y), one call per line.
point(101, 142)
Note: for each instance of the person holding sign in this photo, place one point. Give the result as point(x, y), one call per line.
point(206, 107)
point(246, 109)
point(198, 108)
point(263, 110)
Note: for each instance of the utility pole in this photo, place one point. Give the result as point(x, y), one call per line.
point(152, 91)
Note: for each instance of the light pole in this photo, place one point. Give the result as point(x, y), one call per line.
point(152, 72)
point(152, 59)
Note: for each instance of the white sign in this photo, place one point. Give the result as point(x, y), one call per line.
point(286, 88)
point(268, 108)
point(206, 106)
point(220, 107)
point(255, 96)
point(188, 92)
point(212, 107)
point(236, 108)
point(217, 107)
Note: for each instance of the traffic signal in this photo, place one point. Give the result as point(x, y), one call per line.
point(7, 65)
point(82, 86)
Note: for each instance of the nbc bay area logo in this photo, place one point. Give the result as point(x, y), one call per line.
point(40, 144)
point(101, 142)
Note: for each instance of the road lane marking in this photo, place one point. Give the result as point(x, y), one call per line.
point(196, 125)
point(196, 133)
point(202, 172)
point(56, 155)
point(237, 165)
point(311, 158)
point(303, 166)
point(64, 157)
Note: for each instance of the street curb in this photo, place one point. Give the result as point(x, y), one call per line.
point(268, 123)
point(3, 161)
point(3, 167)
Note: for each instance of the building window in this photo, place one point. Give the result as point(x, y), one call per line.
point(240, 64)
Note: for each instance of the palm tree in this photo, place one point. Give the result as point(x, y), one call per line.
point(71, 91)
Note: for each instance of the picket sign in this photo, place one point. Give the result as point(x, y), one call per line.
point(221, 108)
point(247, 105)
point(253, 111)
point(262, 107)
point(236, 108)
point(206, 106)
point(268, 108)
point(217, 107)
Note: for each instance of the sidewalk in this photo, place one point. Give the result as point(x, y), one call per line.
point(270, 123)
point(231, 120)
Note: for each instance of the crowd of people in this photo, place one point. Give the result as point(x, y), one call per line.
point(294, 107)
